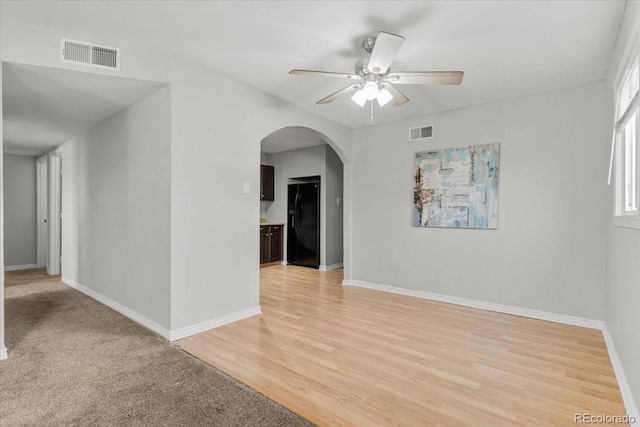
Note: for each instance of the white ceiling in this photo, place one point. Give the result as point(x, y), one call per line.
point(43, 107)
point(506, 48)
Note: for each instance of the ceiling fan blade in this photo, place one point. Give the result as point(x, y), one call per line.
point(384, 51)
point(325, 74)
point(425, 77)
point(342, 92)
point(398, 97)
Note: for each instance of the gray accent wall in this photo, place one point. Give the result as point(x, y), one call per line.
point(20, 240)
point(320, 160)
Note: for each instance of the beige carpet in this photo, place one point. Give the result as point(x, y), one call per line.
point(32, 276)
point(75, 362)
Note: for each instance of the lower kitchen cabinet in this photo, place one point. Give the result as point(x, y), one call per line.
point(270, 243)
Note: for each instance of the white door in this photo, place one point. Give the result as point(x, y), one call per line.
point(55, 213)
point(42, 207)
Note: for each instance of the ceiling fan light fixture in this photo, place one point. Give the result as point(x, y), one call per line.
point(374, 78)
point(370, 90)
point(384, 96)
point(359, 98)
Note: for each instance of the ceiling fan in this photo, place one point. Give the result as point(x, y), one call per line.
point(374, 79)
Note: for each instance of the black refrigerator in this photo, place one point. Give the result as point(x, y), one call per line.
point(303, 225)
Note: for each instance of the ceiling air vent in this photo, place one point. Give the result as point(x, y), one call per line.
point(90, 54)
point(422, 132)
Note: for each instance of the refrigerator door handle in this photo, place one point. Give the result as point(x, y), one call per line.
point(301, 207)
point(296, 210)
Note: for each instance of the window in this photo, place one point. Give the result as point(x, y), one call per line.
point(627, 130)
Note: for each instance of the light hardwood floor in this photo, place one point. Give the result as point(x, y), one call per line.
point(351, 356)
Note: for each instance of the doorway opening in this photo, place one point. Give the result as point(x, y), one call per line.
point(49, 212)
point(305, 209)
point(42, 211)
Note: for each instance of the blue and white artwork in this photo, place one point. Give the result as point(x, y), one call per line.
point(457, 187)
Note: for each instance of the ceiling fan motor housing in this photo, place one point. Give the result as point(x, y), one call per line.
point(369, 43)
point(362, 68)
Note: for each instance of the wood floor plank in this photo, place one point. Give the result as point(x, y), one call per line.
point(341, 355)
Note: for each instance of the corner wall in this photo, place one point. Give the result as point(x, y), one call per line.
point(334, 209)
point(547, 253)
point(116, 205)
point(622, 267)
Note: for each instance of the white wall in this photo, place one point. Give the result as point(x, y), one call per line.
point(322, 161)
point(214, 240)
point(547, 253)
point(116, 206)
point(20, 244)
point(334, 185)
point(622, 279)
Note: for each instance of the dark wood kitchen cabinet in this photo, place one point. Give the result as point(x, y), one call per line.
point(264, 241)
point(275, 244)
point(267, 182)
point(270, 243)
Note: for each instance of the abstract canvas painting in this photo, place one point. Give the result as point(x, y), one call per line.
point(457, 187)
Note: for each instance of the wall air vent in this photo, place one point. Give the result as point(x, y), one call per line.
point(422, 132)
point(90, 54)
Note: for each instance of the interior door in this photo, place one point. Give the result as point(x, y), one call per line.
point(55, 213)
point(42, 208)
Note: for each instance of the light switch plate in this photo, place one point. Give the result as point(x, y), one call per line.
point(246, 188)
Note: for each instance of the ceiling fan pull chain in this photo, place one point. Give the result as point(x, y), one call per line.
point(371, 122)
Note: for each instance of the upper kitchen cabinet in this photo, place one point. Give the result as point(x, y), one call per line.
point(266, 182)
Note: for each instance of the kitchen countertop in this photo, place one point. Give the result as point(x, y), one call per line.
point(271, 223)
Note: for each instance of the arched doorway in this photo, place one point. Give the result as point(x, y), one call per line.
point(302, 162)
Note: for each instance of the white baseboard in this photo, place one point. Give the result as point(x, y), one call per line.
point(20, 267)
point(127, 312)
point(330, 267)
point(507, 309)
point(155, 327)
point(213, 323)
point(625, 389)
point(4, 354)
point(69, 282)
